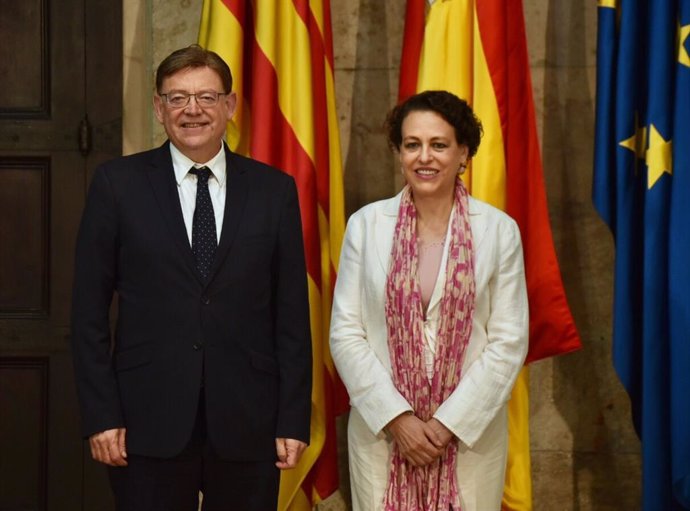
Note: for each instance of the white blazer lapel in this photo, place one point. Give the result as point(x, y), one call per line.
point(384, 230)
point(479, 226)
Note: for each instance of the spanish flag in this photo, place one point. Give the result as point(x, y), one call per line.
point(477, 49)
point(281, 57)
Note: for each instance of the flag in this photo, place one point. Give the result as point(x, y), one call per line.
point(281, 57)
point(478, 51)
point(641, 189)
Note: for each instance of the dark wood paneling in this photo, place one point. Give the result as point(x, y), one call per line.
point(65, 475)
point(23, 408)
point(24, 261)
point(60, 63)
point(24, 59)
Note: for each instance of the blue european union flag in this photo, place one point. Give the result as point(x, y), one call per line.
point(641, 189)
point(679, 268)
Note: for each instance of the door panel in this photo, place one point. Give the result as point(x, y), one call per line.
point(24, 268)
point(24, 61)
point(61, 65)
point(24, 397)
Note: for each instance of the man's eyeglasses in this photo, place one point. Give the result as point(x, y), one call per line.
point(203, 99)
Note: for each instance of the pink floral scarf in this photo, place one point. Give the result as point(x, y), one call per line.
point(433, 487)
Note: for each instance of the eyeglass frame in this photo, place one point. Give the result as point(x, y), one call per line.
point(189, 95)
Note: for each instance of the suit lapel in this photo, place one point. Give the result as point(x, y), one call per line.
point(162, 179)
point(479, 226)
point(384, 230)
point(236, 189)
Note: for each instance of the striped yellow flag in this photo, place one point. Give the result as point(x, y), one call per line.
point(478, 50)
point(281, 57)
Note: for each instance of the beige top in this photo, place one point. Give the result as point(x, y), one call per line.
point(431, 272)
point(430, 255)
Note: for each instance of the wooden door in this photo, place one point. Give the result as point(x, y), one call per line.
point(60, 115)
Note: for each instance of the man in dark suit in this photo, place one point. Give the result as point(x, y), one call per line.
point(207, 382)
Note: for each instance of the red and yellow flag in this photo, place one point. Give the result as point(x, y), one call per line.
point(478, 51)
point(281, 57)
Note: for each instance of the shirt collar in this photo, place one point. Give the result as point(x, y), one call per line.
point(182, 164)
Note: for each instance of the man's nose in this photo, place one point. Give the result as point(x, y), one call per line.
point(193, 105)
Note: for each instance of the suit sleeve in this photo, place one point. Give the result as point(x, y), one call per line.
point(368, 381)
point(486, 385)
point(293, 333)
point(94, 283)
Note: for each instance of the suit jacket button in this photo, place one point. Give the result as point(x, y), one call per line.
point(205, 300)
point(198, 345)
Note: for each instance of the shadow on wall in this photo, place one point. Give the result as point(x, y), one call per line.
point(137, 115)
point(368, 168)
point(605, 458)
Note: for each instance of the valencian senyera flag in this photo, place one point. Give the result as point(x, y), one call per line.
point(477, 49)
point(281, 57)
point(641, 189)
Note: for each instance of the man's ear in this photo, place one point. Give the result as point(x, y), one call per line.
point(158, 107)
point(231, 104)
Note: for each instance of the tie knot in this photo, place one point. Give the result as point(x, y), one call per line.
point(202, 173)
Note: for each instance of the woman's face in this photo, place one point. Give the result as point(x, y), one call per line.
point(430, 156)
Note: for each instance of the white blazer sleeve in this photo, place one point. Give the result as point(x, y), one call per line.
point(486, 384)
point(367, 380)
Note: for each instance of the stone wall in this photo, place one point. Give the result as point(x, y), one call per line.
point(585, 455)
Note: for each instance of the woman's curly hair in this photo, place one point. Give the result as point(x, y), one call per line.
point(456, 112)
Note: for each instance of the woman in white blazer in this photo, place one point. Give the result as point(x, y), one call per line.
point(429, 325)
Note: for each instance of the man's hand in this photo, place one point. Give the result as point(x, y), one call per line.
point(109, 447)
point(289, 452)
point(418, 442)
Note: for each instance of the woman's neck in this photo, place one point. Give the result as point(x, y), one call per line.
point(432, 217)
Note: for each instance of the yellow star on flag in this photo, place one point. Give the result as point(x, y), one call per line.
point(658, 157)
point(683, 56)
point(637, 143)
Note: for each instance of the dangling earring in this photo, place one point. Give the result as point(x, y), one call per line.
point(462, 168)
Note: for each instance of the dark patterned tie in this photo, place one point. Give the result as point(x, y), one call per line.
point(204, 240)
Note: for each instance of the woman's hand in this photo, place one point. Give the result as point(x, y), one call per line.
point(443, 434)
point(416, 439)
